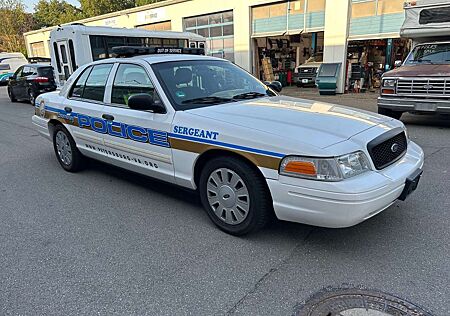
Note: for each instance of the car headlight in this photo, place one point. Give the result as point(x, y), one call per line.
point(325, 169)
point(389, 83)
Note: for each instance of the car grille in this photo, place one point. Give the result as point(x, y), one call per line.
point(307, 72)
point(424, 87)
point(388, 148)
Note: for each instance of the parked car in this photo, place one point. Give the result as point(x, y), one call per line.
point(205, 124)
point(306, 73)
point(9, 63)
point(29, 81)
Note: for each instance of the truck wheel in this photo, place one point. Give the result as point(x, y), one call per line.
point(394, 114)
point(235, 196)
point(67, 153)
point(11, 95)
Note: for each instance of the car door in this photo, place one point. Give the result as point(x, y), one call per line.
point(137, 139)
point(26, 79)
point(84, 107)
point(14, 82)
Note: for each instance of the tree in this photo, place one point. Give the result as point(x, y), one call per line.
point(15, 21)
point(138, 3)
point(97, 7)
point(55, 12)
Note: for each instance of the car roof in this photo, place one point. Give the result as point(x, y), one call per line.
point(37, 65)
point(160, 58)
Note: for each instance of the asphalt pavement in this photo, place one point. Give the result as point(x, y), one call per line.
point(105, 241)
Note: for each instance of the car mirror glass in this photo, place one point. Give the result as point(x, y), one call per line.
point(145, 102)
point(276, 85)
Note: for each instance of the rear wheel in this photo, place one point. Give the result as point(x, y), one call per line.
point(11, 95)
point(235, 196)
point(394, 114)
point(31, 96)
point(67, 153)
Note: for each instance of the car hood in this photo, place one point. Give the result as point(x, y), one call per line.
point(420, 71)
point(318, 124)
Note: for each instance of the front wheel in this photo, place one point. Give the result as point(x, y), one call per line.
point(394, 114)
point(235, 196)
point(67, 153)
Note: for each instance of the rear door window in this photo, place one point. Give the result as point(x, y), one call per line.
point(96, 82)
point(27, 71)
point(78, 86)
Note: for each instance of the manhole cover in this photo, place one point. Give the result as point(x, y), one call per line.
point(358, 302)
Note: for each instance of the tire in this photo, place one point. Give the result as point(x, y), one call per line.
point(11, 95)
point(394, 114)
point(31, 97)
point(235, 196)
point(67, 153)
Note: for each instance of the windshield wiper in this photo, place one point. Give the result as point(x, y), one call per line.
point(249, 95)
point(207, 100)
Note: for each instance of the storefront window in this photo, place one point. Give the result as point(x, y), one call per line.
point(190, 22)
point(227, 16)
point(228, 30)
point(218, 28)
point(215, 31)
point(215, 18)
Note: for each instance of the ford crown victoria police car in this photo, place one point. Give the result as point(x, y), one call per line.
point(204, 123)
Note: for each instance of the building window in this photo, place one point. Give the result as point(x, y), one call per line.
point(158, 26)
point(38, 49)
point(218, 28)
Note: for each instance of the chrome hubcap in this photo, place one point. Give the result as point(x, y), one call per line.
point(228, 196)
point(63, 148)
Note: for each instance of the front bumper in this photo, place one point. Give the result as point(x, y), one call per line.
point(414, 104)
point(304, 80)
point(41, 126)
point(345, 203)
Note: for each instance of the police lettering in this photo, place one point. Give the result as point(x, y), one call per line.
point(195, 132)
point(116, 129)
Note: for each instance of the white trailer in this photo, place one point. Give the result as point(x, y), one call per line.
point(426, 20)
point(72, 46)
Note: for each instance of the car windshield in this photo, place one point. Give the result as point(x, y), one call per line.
point(197, 83)
point(430, 54)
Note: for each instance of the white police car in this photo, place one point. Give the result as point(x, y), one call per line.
point(204, 123)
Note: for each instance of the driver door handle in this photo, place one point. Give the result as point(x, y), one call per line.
point(68, 109)
point(108, 117)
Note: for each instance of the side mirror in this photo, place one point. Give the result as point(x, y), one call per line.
point(276, 85)
point(145, 102)
point(397, 63)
